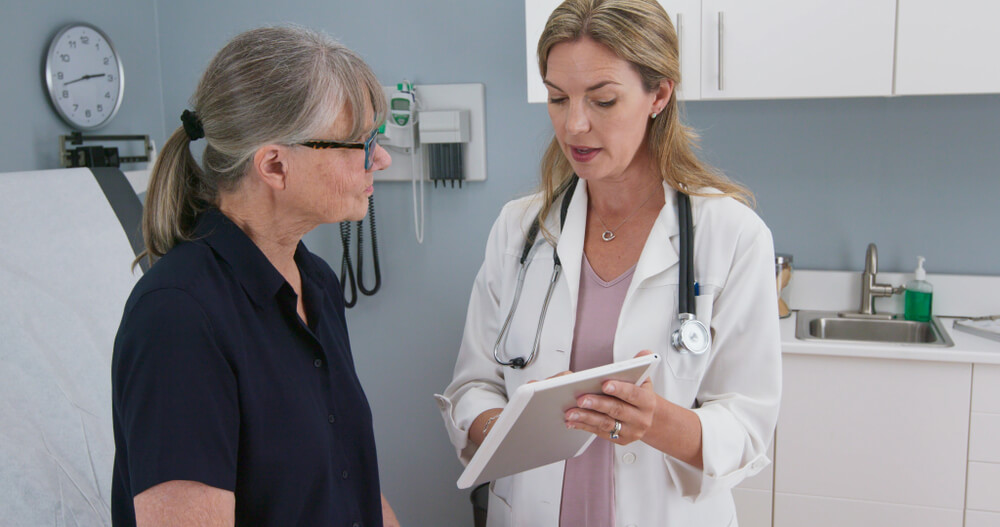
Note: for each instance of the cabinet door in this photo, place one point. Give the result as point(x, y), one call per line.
point(753, 496)
point(873, 430)
point(947, 47)
point(685, 14)
point(792, 48)
point(792, 510)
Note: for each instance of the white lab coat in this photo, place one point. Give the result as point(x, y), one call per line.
point(734, 387)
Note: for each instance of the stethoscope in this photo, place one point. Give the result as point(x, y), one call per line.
point(691, 335)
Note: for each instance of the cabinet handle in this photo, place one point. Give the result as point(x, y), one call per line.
point(720, 50)
point(679, 39)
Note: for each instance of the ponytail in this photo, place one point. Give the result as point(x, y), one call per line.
point(173, 198)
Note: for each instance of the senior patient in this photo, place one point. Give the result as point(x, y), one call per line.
point(235, 397)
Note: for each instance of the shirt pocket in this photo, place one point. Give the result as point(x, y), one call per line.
point(688, 366)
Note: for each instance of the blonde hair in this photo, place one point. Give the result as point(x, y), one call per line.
point(640, 32)
point(271, 85)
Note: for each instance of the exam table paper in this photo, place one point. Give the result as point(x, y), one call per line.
point(65, 275)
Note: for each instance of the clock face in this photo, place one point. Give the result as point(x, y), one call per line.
point(84, 76)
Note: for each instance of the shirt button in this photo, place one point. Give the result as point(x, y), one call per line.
point(355, 524)
point(628, 458)
point(318, 363)
point(331, 418)
point(344, 474)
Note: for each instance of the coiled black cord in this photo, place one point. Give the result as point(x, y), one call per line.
point(346, 269)
point(347, 272)
point(361, 267)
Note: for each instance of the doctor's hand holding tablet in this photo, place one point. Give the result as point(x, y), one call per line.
point(601, 263)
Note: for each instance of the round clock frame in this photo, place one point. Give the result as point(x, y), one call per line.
point(84, 76)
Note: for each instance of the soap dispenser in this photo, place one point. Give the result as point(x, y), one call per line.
point(918, 295)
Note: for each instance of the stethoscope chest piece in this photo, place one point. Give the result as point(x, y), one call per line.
point(691, 337)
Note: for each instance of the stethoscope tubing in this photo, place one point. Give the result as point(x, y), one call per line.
point(686, 300)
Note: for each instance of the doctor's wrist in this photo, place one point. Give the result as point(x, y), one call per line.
point(482, 425)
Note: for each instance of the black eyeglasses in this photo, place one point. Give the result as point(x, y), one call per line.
point(368, 145)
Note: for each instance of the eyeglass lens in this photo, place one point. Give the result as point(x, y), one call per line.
point(370, 149)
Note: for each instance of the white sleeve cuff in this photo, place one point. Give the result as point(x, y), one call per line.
point(727, 460)
point(458, 418)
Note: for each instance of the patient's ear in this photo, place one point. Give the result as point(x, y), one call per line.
point(270, 163)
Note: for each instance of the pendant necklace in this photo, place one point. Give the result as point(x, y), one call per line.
point(609, 234)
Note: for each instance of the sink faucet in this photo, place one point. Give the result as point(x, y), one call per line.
point(869, 288)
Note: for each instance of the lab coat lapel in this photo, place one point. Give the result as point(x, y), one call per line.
point(570, 247)
point(660, 252)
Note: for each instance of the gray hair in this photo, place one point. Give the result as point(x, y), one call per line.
point(271, 85)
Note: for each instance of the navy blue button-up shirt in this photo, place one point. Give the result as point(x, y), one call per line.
point(216, 379)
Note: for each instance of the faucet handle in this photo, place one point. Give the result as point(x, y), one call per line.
point(871, 259)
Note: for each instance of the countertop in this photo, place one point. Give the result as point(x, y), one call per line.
point(955, 296)
point(968, 348)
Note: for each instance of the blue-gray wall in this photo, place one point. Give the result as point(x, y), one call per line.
point(29, 127)
point(917, 175)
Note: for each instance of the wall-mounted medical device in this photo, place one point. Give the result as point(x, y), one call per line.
point(457, 116)
point(444, 133)
point(435, 132)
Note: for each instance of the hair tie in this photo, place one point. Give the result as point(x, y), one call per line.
point(192, 125)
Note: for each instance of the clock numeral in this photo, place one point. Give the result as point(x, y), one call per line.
point(65, 94)
point(100, 107)
point(107, 60)
point(111, 78)
point(107, 95)
point(75, 107)
point(64, 57)
point(85, 40)
point(72, 44)
point(87, 113)
point(59, 75)
point(98, 45)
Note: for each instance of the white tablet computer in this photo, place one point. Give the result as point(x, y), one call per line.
point(531, 432)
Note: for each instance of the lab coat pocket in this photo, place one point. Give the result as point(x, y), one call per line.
point(498, 507)
point(688, 366)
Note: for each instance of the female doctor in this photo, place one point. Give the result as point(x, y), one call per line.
point(610, 240)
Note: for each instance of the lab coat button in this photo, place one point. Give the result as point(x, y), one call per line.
point(318, 363)
point(628, 458)
point(630, 525)
point(331, 418)
point(344, 474)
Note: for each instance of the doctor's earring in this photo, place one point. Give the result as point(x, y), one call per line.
point(653, 116)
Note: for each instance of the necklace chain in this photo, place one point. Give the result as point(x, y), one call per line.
point(609, 234)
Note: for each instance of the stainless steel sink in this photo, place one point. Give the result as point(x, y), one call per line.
point(829, 325)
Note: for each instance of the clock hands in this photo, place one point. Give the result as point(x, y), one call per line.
point(85, 77)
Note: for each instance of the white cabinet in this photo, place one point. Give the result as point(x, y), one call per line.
point(790, 48)
point(767, 48)
point(947, 47)
point(780, 49)
point(685, 14)
point(753, 497)
point(871, 442)
point(982, 500)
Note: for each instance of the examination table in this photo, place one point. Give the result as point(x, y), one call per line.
point(67, 241)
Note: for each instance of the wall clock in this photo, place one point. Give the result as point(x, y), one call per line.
point(84, 76)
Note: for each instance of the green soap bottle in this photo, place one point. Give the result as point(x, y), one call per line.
point(918, 295)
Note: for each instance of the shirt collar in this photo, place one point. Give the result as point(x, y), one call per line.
point(249, 264)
